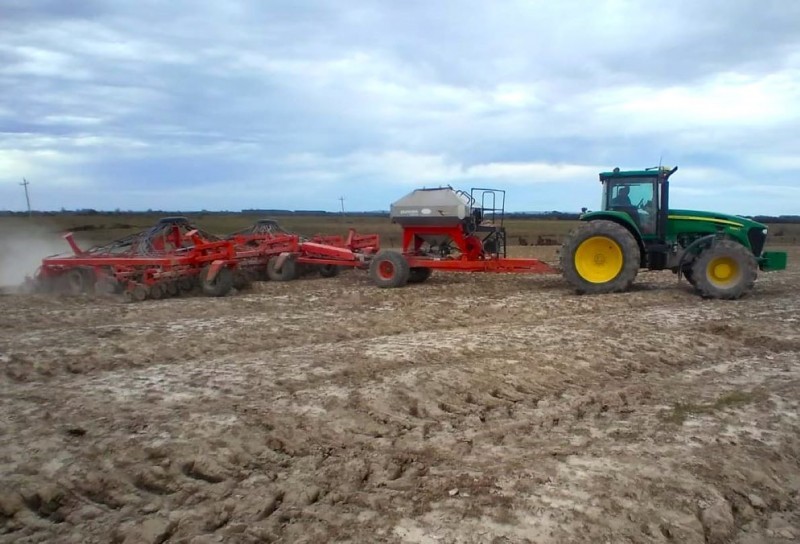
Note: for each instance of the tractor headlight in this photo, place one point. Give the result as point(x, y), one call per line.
point(765, 231)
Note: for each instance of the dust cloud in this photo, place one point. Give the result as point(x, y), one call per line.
point(22, 248)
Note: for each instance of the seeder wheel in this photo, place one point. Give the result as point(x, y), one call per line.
point(287, 272)
point(221, 285)
point(389, 269)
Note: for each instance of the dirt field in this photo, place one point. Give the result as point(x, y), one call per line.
point(471, 408)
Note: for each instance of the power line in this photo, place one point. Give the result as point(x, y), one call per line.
point(25, 184)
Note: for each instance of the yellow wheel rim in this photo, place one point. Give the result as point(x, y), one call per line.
point(598, 259)
point(723, 271)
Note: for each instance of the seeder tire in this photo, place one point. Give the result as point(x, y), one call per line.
point(329, 271)
point(389, 269)
point(419, 274)
point(287, 272)
point(726, 270)
point(220, 286)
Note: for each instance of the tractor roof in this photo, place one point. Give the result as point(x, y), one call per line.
point(663, 172)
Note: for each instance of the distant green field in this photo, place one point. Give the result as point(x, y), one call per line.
point(101, 228)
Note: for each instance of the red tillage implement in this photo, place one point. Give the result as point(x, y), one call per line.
point(171, 257)
point(285, 256)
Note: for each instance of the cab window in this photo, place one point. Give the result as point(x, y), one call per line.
point(637, 199)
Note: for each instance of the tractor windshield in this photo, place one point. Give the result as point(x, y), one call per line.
point(635, 196)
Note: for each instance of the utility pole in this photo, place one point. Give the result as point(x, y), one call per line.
point(341, 200)
point(25, 184)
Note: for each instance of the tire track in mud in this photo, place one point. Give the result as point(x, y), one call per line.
point(550, 423)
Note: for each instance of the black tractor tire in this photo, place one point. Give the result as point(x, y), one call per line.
point(220, 286)
point(289, 270)
point(688, 274)
point(389, 269)
point(329, 270)
point(419, 274)
point(600, 257)
point(726, 270)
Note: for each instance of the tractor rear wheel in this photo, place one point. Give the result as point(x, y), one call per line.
point(220, 286)
point(287, 272)
point(389, 269)
point(726, 270)
point(600, 257)
point(419, 274)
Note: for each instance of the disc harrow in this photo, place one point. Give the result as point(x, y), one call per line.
point(269, 252)
point(172, 257)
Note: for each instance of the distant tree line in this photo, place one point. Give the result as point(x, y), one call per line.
point(551, 215)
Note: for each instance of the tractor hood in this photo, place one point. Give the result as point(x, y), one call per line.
point(720, 219)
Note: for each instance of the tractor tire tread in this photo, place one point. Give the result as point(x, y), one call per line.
point(744, 258)
point(630, 251)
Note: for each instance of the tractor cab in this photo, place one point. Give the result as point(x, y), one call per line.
point(643, 195)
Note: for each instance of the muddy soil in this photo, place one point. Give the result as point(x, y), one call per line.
point(470, 408)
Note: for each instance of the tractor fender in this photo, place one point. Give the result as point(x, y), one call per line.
point(700, 242)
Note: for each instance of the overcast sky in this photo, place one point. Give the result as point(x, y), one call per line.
point(201, 104)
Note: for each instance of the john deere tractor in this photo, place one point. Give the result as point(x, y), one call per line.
point(720, 255)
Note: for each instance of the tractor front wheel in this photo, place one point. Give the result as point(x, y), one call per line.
point(389, 269)
point(726, 270)
point(600, 257)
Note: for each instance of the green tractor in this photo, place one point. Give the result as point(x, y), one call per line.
point(718, 254)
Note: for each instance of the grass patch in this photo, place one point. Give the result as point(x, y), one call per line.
point(681, 411)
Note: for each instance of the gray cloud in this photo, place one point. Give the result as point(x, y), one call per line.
point(285, 104)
